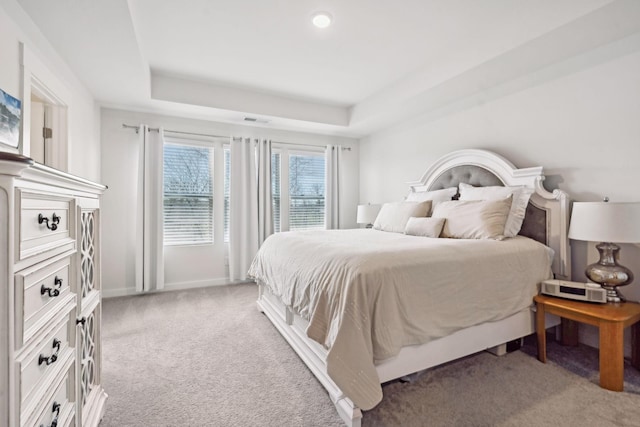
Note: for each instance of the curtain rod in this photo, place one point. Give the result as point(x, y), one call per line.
point(221, 136)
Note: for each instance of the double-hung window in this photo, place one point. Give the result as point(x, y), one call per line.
point(298, 189)
point(306, 191)
point(298, 184)
point(188, 193)
point(275, 188)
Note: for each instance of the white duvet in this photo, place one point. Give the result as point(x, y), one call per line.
point(368, 293)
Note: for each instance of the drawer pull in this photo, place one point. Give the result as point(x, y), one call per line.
point(55, 410)
point(55, 220)
point(81, 320)
point(51, 359)
point(52, 292)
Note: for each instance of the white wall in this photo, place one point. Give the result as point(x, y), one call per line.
point(84, 114)
point(185, 266)
point(579, 119)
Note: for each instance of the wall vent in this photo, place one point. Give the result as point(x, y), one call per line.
point(255, 120)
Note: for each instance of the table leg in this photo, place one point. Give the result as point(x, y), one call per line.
point(635, 343)
point(611, 355)
point(541, 334)
point(569, 332)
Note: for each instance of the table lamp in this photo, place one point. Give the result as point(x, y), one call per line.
point(367, 214)
point(607, 223)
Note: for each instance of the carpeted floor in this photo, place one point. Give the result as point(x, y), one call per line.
point(207, 357)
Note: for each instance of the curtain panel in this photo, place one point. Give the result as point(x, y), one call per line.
point(333, 155)
point(250, 209)
point(149, 212)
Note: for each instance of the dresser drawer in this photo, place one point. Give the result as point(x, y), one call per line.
point(46, 224)
point(42, 361)
point(40, 291)
point(59, 409)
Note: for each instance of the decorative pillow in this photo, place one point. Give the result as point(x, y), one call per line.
point(443, 195)
point(435, 196)
point(394, 216)
point(519, 203)
point(425, 227)
point(473, 219)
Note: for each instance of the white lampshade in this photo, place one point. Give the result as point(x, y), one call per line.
point(367, 213)
point(605, 222)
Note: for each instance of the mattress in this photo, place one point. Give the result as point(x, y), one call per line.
point(368, 293)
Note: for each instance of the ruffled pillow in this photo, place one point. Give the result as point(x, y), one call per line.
point(473, 219)
point(519, 194)
point(394, 216)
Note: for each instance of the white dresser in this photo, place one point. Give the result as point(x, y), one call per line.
point(50, 302)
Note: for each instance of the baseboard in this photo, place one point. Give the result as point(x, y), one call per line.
point(179, 286)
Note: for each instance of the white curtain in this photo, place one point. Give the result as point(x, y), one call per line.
point(149, 213)
point(263, 176)
point(250, 212)
point(333, 154)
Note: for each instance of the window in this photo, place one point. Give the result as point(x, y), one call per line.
point(188, 194)
point(275, 188)
point(300, 208)
point(227, 175)
point(306, 191)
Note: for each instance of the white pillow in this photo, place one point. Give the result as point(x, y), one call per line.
point(443, 195)
point(519, 203)
point(425, 227)
point(473, 219)
point(394, 216)
point(436, 196)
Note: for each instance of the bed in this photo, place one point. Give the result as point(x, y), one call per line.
point(363, 307)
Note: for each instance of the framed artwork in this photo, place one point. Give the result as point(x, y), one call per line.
point(9, 119)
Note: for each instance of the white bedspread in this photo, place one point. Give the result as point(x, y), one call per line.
point(368, 293)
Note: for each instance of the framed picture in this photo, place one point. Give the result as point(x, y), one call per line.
point(9, 119)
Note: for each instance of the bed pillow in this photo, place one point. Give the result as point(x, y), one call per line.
point(473, 219)
point(443, 195)
point(521, 196)
point(435, 196)
point(394, 216)
point(424, 227)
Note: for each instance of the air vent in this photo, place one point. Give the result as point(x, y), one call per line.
point(255, 120)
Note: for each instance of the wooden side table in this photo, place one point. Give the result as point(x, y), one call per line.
point(611, 319)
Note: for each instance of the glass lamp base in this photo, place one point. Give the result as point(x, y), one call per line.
point(608, 273)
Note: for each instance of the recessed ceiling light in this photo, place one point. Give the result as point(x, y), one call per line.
point(321, 19)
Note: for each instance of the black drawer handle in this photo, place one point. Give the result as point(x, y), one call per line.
point(55, 220)
point(52, 292)
point(51, 359)
point(81, 320)
point(55, 410)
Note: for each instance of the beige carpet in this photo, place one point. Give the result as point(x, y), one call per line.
point(207, 357)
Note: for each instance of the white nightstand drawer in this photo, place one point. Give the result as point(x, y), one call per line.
point(46, 223)
point(40, 291)
point(58, 410)
point(40, 363)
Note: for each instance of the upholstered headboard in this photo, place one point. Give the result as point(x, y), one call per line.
point(547, 215)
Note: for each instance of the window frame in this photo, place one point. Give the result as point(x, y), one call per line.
point(286, 151)
point(215, 144)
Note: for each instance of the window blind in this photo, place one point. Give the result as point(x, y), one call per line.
point(227, 175)
point(275, 190)
point(306, 191)
point(187, 194)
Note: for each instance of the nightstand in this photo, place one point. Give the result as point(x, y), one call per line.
point(611, 319)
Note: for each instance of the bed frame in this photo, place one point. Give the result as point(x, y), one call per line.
point(546, 221)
